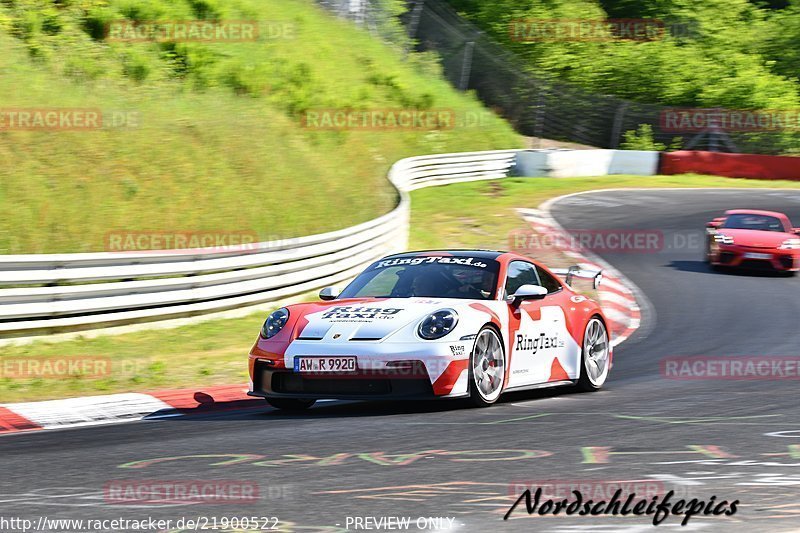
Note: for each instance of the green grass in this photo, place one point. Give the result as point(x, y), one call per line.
point(218, 145)
point(477, 214)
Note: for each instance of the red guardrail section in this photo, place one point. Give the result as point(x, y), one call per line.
point(764, 167)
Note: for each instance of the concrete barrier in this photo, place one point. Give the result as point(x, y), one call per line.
point(578, 163)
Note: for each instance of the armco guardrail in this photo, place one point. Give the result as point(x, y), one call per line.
point(67, 292)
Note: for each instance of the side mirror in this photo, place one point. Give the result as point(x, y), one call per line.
point(796, 231)
point(527, 292)
point(329, 293)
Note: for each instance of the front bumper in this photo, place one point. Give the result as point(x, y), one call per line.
point(385, 371)
point(736, 256)
point(283, 383)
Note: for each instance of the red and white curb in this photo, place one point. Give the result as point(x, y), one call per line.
point(616, 294)
point(118, 408)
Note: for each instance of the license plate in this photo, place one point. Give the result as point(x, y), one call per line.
point(325, 364)
point(751, 255)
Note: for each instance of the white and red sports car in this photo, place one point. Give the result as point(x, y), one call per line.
point(444, 324)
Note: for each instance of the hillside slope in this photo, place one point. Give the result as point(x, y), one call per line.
point(209, 135)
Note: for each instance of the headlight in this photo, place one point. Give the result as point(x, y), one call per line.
point(790, 244)
point(438, 324)
point(275, 323)
point(723, 239)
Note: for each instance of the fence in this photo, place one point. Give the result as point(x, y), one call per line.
point(546, 108)
point(537, 105)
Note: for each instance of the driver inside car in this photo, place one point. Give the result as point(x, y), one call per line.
point(481, 290)
point(428, 284)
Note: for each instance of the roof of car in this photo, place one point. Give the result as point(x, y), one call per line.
point(478, 254)
point(755, 212)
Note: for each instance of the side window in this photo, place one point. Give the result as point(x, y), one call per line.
point(548, 282)
point(520, 273)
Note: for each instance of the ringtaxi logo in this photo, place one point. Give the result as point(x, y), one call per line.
point(182, 241)
point(758, 368)
point(168, 492)
point(430, 260)
point(372, 313)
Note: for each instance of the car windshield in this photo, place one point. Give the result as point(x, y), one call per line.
point(429, 277)
point(755, 222)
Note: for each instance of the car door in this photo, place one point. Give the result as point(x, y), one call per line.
point(536, 329)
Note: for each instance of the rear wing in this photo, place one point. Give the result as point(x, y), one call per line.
point(577, 272)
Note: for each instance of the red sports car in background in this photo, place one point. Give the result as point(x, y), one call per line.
point(748, 238)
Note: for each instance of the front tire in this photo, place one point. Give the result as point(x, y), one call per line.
point(291, 404)
point(594, 356)
point(710, 258)
point(487, 368)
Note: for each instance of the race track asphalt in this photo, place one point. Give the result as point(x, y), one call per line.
point(732, 440)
